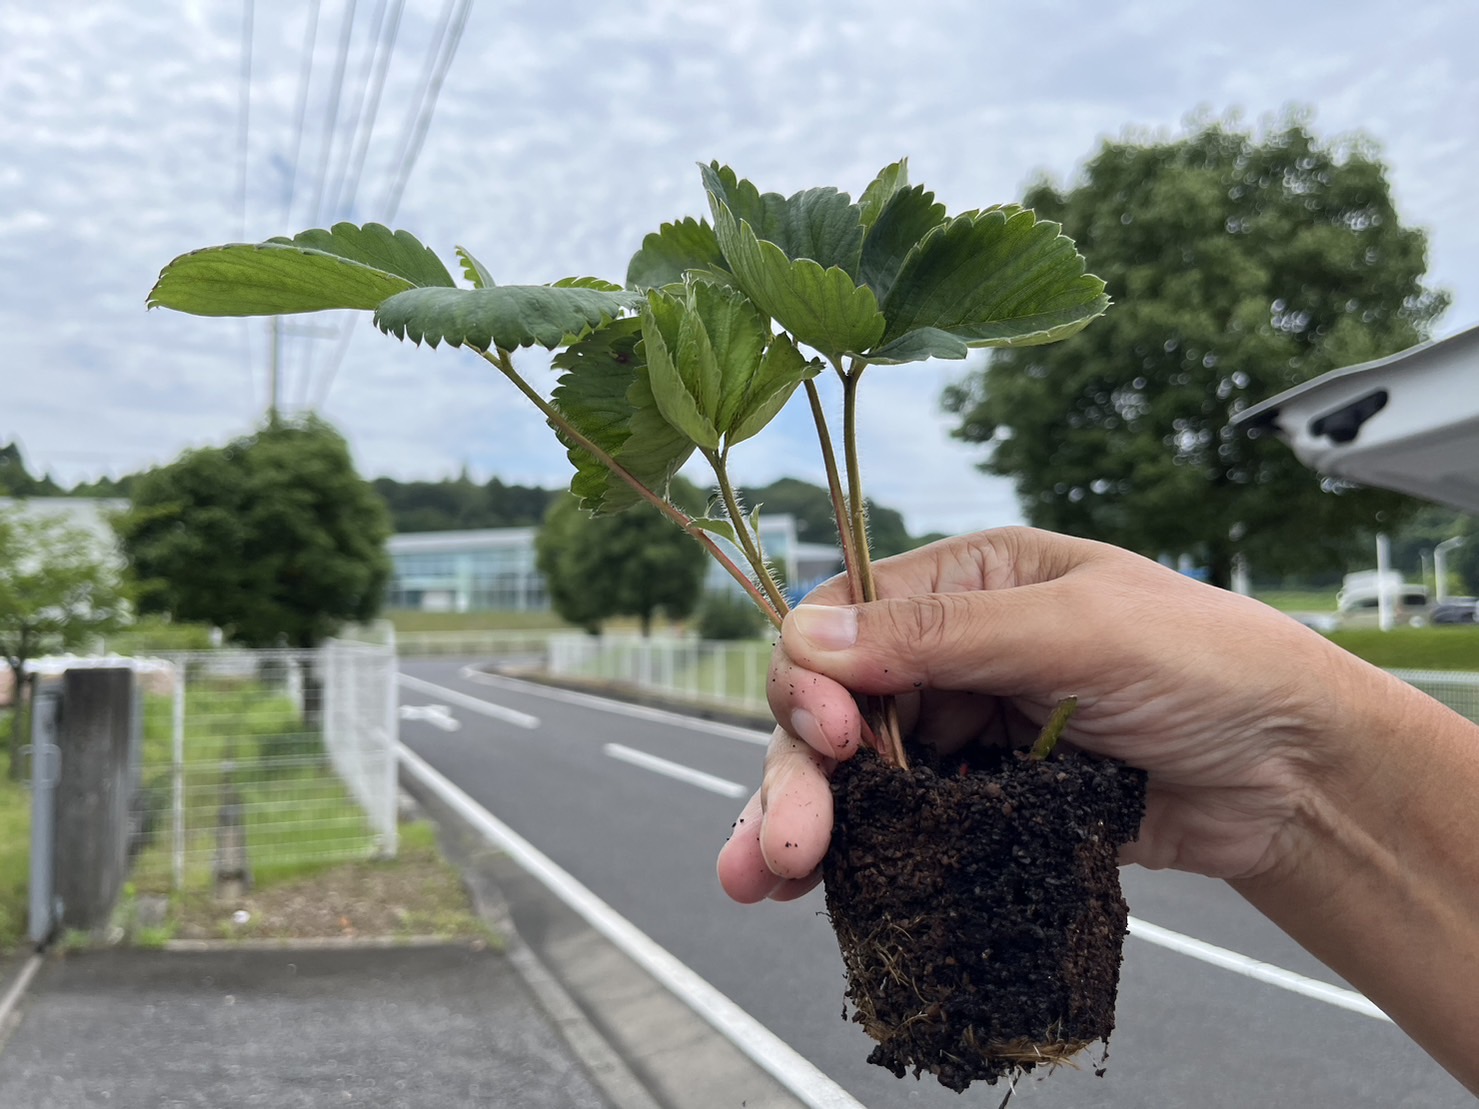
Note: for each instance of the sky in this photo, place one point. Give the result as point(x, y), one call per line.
point(561, 133)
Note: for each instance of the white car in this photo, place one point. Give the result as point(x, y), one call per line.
point(1409, 422)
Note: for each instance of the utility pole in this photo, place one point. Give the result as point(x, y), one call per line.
point(274, 370)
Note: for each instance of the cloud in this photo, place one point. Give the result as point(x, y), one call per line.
point(564, 132)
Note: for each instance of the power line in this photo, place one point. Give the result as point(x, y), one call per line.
point(371, 87)
point(305, 74)
point(243, 114)
point(412, 150)
point(439, 61)
point(331, 117)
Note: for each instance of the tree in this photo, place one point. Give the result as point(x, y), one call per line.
point(273, 538)
point(634, 563)
point(811, 506)
point(57, 593)
point(1239, 266)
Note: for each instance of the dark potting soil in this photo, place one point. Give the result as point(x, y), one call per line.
point(978, 907)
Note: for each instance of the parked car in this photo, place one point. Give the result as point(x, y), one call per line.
point(1456, 610)
point(1358, 604)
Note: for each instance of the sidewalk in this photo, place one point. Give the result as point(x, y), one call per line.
point(563, 1020)
point(397, 1027)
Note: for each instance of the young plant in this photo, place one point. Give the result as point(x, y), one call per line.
point(715, 329)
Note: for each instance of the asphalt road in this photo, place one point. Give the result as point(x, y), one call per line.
point(577, 779)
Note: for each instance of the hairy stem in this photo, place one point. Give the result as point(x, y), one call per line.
point(749, 544)
point(852, 524)
point(834, 486)
point(1052, 731)
point(505, 365)
point(856, 504)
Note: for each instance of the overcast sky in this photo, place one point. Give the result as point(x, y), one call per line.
point(564, 132)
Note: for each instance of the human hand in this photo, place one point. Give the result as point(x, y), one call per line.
point(1229, 705)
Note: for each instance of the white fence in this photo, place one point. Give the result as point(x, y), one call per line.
point(283, 758)
point(728, 674)
point(733, 674)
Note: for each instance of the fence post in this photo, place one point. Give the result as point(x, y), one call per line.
point(45, 768)
point(92, 799)
point(177, 778)
point(391, 731)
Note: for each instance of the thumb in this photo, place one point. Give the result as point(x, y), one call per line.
point(1005, 642)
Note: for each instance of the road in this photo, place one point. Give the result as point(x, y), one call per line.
point(635, 805)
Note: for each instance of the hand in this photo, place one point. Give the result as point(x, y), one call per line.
point(1224, 701)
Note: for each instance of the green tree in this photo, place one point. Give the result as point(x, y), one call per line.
point(1240, 265)
point(274, 538)
point(57, 593)
point(633, 563)
point(811, 506)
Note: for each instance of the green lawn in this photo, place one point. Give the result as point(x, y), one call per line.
point(1454, 647)
point(240, 735)
point(412, 620)
point(1298, 600)
point(15, 860)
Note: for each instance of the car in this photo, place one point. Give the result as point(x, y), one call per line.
point(1455, 610)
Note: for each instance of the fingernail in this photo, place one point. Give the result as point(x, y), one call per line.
point(805, 725)
point(826, 627)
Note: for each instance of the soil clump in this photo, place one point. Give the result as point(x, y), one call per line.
point(977, 904)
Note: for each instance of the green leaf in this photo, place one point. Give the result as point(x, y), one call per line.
point(722, 528)
point(667, 340)
point(822, 308)
point(998, 278)
point(671, 251)
point(598, 283)
point(890, 180)
point(503, 317)
point(603, 391)
point(346, 267)
point(821, 224)
point(783, 368)
point(908, 216)
point(474, 270)
point(738, 333)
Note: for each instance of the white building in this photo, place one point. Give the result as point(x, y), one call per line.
point(494, 569)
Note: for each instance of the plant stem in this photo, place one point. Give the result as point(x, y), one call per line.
point(1052, 731)
point(505, 366)
point(852, 524)
point(834, 486)
point(749, 544)
point(856, 503)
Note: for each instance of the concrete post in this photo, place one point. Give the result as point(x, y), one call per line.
point(92, 794)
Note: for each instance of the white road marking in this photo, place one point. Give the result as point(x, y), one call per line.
point(778, 1058)
point(625, 708)
point(1253, 968)
point(675, 770)
point(438, 716)
point(17, 989)
point(463, 700)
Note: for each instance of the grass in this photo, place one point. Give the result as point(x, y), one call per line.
point(413, 620)
point(1298, 600)
point(15, 859)
point(1434, 648)
point(241, 736)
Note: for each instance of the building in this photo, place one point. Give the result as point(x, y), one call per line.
point(494, 569)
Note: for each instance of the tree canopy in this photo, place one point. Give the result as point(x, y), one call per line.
point(634, 563)
point(58, 591)
point(274, 538)
point(1239, 265)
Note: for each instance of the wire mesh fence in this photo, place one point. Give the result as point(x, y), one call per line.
point(729, 673)
point(256, 763)
point(1456, 689)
